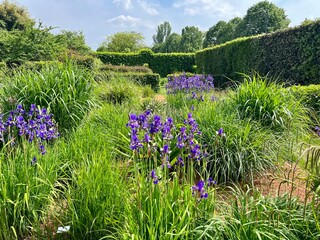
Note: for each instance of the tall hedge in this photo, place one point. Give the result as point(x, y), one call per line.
point(293, 55)
point(162, 63)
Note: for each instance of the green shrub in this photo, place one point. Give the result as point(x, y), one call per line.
point(309, 96)
point(292, 54)
point(3, 65)
point(161, 63)
point(38, 65)
point(63, 89)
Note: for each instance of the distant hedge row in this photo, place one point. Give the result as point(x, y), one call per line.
point(162, 63)
point(293, 55)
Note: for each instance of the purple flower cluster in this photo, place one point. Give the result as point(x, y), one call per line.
point(199, 190)
point(196, 83)
point(152, 134)
point(154, 177)
point(317, 130)
point(34, 125)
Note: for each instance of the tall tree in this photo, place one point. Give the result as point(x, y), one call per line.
point(213, 35)
point(163, 31)
point(263, 17)
point(191, 39)
point(123, 42)
point(173, 42)
point(74, 41)
point(221, 32)
point(13, 16)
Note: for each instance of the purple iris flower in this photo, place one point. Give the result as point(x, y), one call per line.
point(198, 190)
point(154, 177)
point(211, 182)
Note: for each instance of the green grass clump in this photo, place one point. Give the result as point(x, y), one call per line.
point(242, 150)
point(63, 89)
point(26, 190)
point(265, 101)
point(118, 91)
point(252, 216)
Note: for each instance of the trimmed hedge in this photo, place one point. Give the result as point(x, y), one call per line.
point(162, 63)
point(114, 68)
point(292, 54)
point(151, 79)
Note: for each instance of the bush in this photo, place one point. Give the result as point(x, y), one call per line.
point(293, 54)
point(63, 89)
point(309, 96)
point(161, 63)
point(3, 65)
point(38, 65)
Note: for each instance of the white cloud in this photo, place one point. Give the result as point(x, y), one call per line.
point(205, 7)
point(128, 21)
point(149, 8)
point(125, 3)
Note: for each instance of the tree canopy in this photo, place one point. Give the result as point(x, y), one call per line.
point(13, 16)
point(191, 39)
point(163, 31)
point(263, 17)
point(123, 42)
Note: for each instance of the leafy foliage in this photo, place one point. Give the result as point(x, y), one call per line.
point(123, 42)
point(191, 39)
point(29, 44)
point(263, 17)
point(221, 32)
point(309, 96)
point(13, 16)
point(163, 31)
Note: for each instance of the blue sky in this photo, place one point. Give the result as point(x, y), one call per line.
point(99, 18)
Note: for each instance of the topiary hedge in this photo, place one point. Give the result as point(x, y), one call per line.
point(162, 63)
point(122, 68)
point(292, 54)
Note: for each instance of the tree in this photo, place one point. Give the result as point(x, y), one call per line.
point(213, 35)
point(29, 44)
point(13, 16)
point(221, 32)
point(263, 17)
point(163, 31)
point(307, 21)
point(191, 39)
point(173, 42)
point(74, 41)
point(123, 42)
